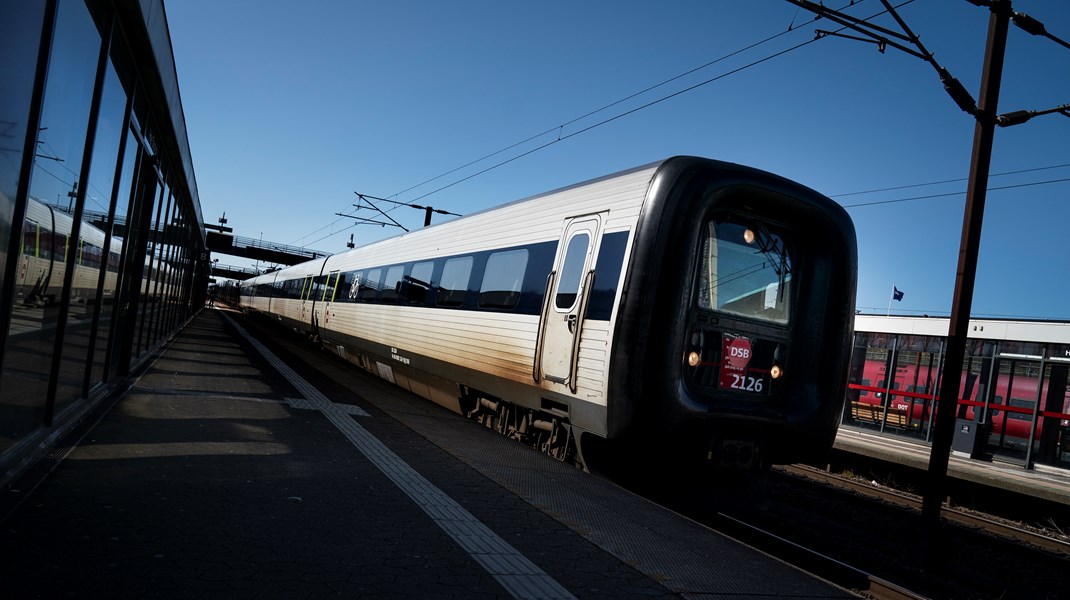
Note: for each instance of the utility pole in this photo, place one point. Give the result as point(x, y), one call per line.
point(72, 195)
point(986, 120)
point(976, 193)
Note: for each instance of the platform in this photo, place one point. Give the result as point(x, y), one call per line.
point(1048, 484)
point(223, 473)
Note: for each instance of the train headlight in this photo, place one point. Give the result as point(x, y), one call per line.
point(748, 236)
point(693, 359)
point(776, 372)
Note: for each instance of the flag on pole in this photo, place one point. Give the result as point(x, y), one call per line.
point(898, 295)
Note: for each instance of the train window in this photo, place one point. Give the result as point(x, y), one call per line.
point(745, 270)
point(571, 276)
point(319, 285)
point(390, 284)
point(608, 267)
point(342, 287)
point(369, 286)
point(352, 292)
point(453, 284)
point(29, 238)
point(865, 383)
point(417, 283)
point(44, 243)
point(90, 255)
point(503, 279)
point(329, 287)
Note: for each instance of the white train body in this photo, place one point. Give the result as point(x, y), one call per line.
point(578, 308)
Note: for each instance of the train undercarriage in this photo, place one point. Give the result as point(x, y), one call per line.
point(543, 431)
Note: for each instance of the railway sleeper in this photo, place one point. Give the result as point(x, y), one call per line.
point(545, 432)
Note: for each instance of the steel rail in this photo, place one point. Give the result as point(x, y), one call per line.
point(815, 563)
point(986, 524)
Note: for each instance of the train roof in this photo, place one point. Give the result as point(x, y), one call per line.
point(649, 170)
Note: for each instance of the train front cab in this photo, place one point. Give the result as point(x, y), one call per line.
point(753, 279)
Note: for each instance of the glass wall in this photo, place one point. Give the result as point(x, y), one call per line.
point(113, 225)
point(81, 199)
point(1015, 392)
point(1051, 441)
point(112, 312)
point(87, 241)
point(47, 251)
point(20, 39)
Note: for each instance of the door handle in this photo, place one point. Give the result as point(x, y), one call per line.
point(571, 320)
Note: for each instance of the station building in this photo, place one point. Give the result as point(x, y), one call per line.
point(102, 249)
point(1014, 404)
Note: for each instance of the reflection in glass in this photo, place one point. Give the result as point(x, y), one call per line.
point(503, 279)
point(745, 270)
point(453, 284)
point(106, 339)
point(568, 287)
point(47, 250)
point(160, 269)
point(90, 263)
point(20, 30)
point(390, 284)
point(148, 277)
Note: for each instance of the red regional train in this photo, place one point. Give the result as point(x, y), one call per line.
point(909, 400)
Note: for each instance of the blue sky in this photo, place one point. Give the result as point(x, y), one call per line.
point(290, 109)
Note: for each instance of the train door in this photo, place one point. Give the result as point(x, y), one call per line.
point(1012, 407)
point(567, 292)
point(326, 297)
point(306, 299)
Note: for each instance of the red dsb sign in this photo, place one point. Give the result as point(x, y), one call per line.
point(735, 356)
point(737, 353)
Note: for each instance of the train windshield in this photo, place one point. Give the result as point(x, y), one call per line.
point(745, 270)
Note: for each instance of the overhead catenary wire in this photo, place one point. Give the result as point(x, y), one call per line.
point(561, 138)
point(959, 193)
point(911, 37)
point(874, 191)
point(943, 181)
point(559, 128)
point(957, 180)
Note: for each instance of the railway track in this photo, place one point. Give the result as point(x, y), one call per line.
point(828, 568)
point(809, 511)
point(988, 525)
point(870, 540)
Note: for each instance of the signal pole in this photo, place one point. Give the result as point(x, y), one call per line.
point(986, 120)
point(976, 192)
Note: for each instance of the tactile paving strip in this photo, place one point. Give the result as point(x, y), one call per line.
point(515, 572)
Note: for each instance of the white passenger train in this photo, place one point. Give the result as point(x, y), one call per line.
point(689, 308)
point(47, 251)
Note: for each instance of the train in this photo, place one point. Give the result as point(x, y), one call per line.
point(46, 251)
point(692, 310)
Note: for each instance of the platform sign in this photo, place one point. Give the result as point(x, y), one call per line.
point(736, 354)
